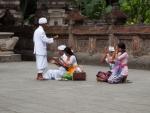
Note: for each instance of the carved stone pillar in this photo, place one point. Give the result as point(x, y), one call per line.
point(92, 45)
point(71, 39)
point(137, 44)
point(113, 41)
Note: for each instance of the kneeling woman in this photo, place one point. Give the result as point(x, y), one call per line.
point(70, 64)
point(67, 63)
point(120, 69)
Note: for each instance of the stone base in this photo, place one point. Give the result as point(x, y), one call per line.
point(10, 58)
point(142, 62)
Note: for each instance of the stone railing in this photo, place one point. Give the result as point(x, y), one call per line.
point(93, 39)
point(89, 42)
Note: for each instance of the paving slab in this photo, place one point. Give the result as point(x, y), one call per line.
point(21, 93)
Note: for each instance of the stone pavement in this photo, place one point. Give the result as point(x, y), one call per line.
point(21, 93)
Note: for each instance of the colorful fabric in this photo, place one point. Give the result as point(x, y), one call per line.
point(120, 69)
point(117, 69)
point(115, 79)
point(67, 76)
point(71, 69)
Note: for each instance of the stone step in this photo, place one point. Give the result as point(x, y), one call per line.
point(10, 58)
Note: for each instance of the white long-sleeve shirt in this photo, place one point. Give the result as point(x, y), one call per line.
point(40, 40)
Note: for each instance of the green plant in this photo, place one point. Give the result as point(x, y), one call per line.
point(138, 11)
point(93, 9)
point(28, 8)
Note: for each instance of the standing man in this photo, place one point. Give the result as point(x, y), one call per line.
point(40, 47)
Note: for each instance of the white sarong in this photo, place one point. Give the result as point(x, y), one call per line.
point(41, 63)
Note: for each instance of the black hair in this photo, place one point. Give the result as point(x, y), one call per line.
point(67, 50)
point(122, 46)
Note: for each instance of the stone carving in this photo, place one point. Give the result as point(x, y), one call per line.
point(7, 43)
point(10, 13)
point(7, 18)
point(54, 10)
point(92, 46)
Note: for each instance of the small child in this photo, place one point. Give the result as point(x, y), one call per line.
point(108, 56)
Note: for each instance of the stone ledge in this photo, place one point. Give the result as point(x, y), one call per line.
point(10, 58)
point(142, 62)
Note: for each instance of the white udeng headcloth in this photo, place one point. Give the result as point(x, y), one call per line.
point(111, 48)
point(61, 47)
point(42, 20)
